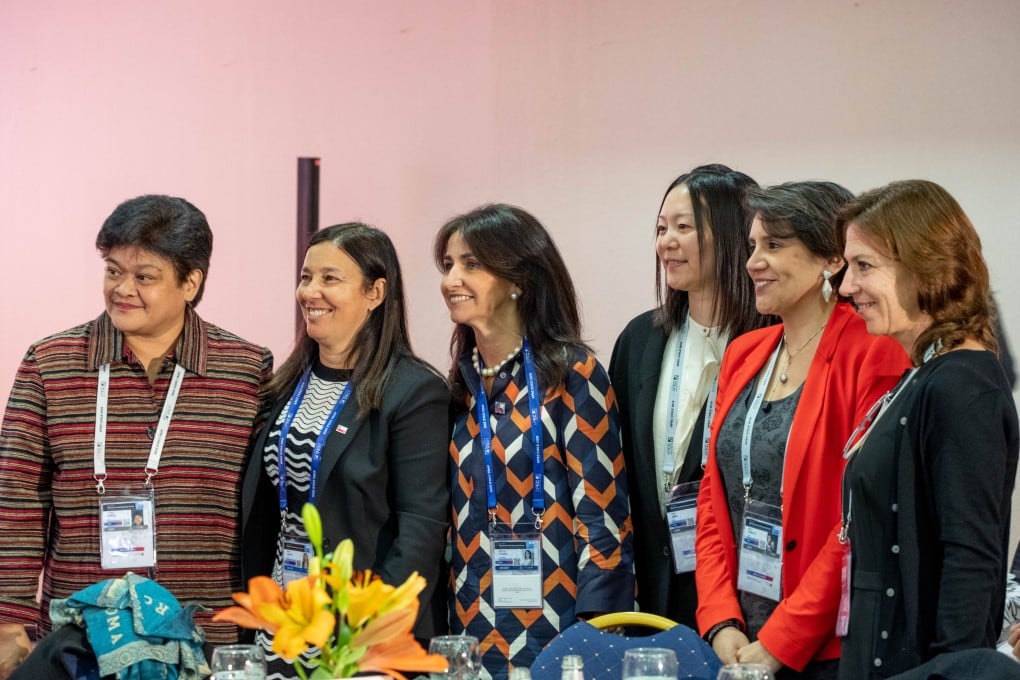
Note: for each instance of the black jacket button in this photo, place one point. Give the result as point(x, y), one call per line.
point(791, 545)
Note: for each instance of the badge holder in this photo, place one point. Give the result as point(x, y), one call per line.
point(761, 542)
point(127, 530)
point(297, 553)
point(516, 567)
point(681, 512)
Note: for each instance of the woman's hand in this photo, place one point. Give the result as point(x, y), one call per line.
point(14, 647)
point(1014, 639)
point(756, 653)
point(726, 643)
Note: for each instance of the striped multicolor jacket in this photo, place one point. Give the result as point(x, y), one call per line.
point(48, 500)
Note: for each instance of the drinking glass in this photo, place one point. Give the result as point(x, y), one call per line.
point(238, 662)
point(461, 651)
point(649, 663)
point(744, 671)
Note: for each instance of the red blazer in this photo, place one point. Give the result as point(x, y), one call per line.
point(850, 371)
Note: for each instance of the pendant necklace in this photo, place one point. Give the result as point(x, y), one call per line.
point(790, 354)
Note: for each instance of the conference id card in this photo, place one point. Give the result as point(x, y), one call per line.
point(516, 570)
point(761, 541)
point(297, 554)
point(681, 512)
point(843, 613)
point(127, 531)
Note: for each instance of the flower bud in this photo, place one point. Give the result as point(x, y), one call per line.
point(313, 526)
point(343, 558)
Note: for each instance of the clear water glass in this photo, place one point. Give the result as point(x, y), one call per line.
point(649, 663)
point(461, 651)
point(238, 662)
point(744, 671)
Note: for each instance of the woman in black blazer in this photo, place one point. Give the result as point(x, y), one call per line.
point(929, 478)
point(705, 299)
point(366, 433)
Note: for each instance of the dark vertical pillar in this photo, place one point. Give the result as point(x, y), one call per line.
point(307, 216)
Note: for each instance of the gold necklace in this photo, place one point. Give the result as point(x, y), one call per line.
point(790, 355)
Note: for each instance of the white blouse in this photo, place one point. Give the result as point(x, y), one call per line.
point(703, 350)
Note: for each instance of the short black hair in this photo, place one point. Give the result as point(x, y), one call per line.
point(805, 211)
point(167, 226)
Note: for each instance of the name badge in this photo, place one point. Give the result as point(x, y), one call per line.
point(296, 558)
point(843, 615)
point(761, 540)
point(297, 553)
point(516, 570)
point(681, 514)
point(127, 531)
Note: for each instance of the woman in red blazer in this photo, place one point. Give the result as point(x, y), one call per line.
point(789, 398)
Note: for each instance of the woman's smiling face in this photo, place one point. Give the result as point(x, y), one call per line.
point(883, 291)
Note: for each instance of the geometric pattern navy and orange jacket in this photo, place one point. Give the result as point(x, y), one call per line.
point(587, 547)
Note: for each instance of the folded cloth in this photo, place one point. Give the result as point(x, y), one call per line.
point(137, 629)
point(64, 654)
point(968, 664)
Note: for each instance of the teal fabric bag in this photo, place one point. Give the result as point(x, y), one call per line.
point(137, 629)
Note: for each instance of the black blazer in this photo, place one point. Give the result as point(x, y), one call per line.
point(382, 484)
point(634, 371)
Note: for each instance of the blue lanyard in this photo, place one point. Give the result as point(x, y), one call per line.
point(537, 451)
point(292, 408)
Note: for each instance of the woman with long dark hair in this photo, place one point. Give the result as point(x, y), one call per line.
point(358, 428)
point(535, 444)
point(664, 369)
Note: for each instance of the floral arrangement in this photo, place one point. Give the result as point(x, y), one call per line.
point(359, 623)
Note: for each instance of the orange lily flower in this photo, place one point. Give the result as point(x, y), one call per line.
point(379, 616)
point(405, 594)
point(297, 617)
point(392, 648)
point(367, 594)
point(262, 591)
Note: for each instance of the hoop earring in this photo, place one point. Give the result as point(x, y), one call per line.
point(826, 286)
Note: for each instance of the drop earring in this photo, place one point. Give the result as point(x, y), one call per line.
point(826, 286)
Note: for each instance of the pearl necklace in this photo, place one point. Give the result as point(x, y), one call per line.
point(489, 372)
point(790, 355)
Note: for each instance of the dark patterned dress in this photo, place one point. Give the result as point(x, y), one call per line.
point(587, 553)
point(324, 390)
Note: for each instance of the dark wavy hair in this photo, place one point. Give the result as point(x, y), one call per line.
point(919, 224)
point(805, 211)
point(168, 226)
point(381, 340)
point(511, 244)
point(717, 194)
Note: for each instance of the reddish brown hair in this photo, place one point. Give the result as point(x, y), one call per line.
point(920, 225)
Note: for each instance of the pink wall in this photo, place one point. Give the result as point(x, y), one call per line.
point(579, 110)
point(214, 101)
